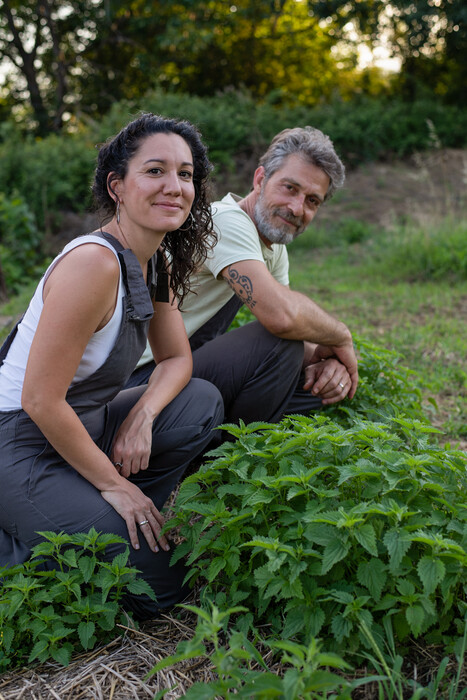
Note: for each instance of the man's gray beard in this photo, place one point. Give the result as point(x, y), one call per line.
point(274, 234)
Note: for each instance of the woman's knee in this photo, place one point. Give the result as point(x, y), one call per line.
point(206, 401)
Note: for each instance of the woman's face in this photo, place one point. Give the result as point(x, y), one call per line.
point(157, 192)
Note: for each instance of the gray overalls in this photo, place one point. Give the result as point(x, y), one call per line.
point(39, 491)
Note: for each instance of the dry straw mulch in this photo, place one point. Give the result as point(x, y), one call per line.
point(116, 671)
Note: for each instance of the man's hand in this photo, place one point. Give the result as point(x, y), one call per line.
point(346, 356)
point(327, 379)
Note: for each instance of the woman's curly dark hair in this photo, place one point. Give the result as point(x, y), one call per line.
point(188, 246)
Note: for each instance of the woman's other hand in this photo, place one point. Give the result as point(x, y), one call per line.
point(139, 513)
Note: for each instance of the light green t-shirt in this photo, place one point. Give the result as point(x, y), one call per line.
point(237, 240)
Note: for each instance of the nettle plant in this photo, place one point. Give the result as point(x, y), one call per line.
point(356, 534)
point(70, 606)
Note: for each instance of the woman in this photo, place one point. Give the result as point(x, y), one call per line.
point(77, 450)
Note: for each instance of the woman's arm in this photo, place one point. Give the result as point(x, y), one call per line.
point(79, 298)
point(171, 350)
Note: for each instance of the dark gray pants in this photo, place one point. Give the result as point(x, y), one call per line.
point(42, 492)
point(258, 374)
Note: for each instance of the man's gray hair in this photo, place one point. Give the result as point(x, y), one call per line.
point(311, 144)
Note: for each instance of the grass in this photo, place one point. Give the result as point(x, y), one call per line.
point(416, 312)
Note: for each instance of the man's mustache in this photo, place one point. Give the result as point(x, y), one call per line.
point(295, 220)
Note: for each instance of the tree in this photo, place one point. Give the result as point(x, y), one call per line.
point(429, 36)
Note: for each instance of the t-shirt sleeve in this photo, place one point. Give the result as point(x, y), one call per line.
point(280, 269)
point(237, 240)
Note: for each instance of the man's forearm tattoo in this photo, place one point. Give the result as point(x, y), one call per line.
point(241, 285)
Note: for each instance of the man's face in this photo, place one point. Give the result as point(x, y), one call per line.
point(288, 201)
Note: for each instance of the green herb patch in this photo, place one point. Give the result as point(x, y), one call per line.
point(350, 526)
point(70, 606)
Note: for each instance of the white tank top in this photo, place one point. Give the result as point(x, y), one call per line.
point(96, 352)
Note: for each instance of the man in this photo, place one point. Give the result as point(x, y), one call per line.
point(295, 357)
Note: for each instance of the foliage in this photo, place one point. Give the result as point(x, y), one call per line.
point(429, 37)
point(234, 123)
point(20, 243)
point(56, 52)
point(51, 174)
point(307, 673)
point(434, 252)
point(54, 173)
point(71, 604)
point(80, 56)
point(335, 527)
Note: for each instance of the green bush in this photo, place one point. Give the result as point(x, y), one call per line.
point(332, 532)
point(51, 174)
point(55, 173)
point(349, 525)
point(20, 243)
point(70, 606)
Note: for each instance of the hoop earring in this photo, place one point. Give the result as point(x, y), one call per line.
point(191, 220)
point(118, 211)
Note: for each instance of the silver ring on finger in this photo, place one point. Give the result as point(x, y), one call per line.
point(143, 522)
point(342, 386)
point(118, 464)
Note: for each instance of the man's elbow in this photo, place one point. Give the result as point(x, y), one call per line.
point(280, 323)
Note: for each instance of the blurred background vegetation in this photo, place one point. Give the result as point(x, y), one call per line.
point(383, 79)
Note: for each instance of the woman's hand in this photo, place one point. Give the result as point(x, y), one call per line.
point(138, 511)
point(132, 445)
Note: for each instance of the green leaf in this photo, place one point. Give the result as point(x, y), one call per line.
point(202, 691)
point(138, 586)
point(415, 616)
point(372, 574)
point(85, 633)
point(334, 551)
point(217, 564)
point(397, 543)
point(38, 650)
point(7, 636)
point(341, 627)
point(87, 565)
point(62, 654)
point(69, 558)
point(431, 571)
point(365, 535)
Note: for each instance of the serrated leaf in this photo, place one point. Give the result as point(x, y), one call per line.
point(85, 632)
point(138, 586)
point(38, 650)
point(7, 637)
point(415, 616)
point(259, 497)
point(431, 571)
point(217, 564)
point(372, 574)
point(86, 566)
point(316, 621)
point(397, 542)
point(341, 627)
point(69, 557)
point(334, 551)
point(366, 536)
point(62, 654)
point(188, 491)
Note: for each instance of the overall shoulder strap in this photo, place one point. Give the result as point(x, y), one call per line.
point(139, 304)
point(8, 341)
